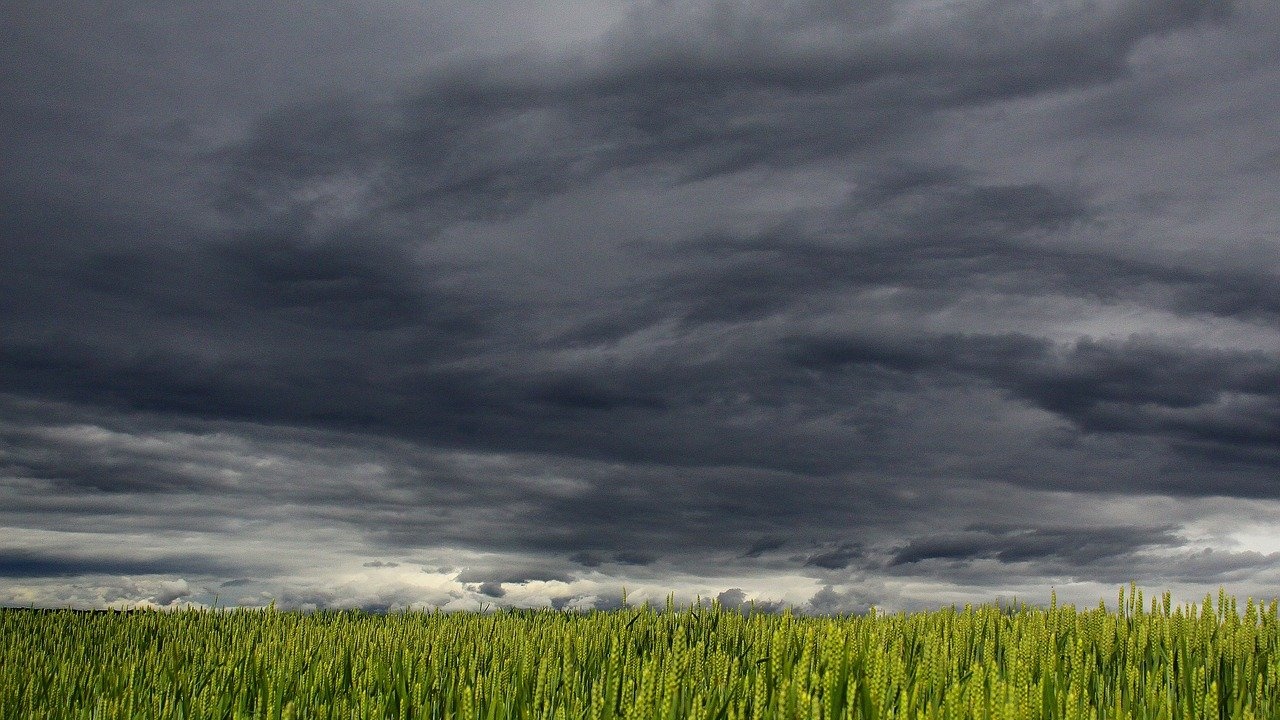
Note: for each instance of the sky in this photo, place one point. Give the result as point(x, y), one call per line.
point(485, 303)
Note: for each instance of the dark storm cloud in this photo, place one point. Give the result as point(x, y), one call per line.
point(836, 559)
point(929, 232)
point(25, 563)
point(681, 514)
point(550, 511)
point(1201, 400)
point(1208, 566)
point(634, 557)
point(348, 330)
point(258, 327)
point(484, 140)
point(764, 545)
point(1076, 546)
point(679, 78)
point(940, 235)
point(341, 339)
point(1115, 555)
point(69, 464)
point(586, 559)
point(579, 311)
point(499, 575)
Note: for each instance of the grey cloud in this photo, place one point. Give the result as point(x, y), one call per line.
point(485, 141)
point(835, 559)
point(500, 575)
point(168, 596)
point(1209, 566)
point(634, 557)
point(764, 545)
point(943, 237)
point(492, 589)
point(276, 321)
point(376, 599)
point(242, 472)
point(1077, 546)
point(296, 303)
point(26, 563)
point(856, 87)
point(1159, 564)
point(722, 292)
point(602, 602)
point(606, 602)
point(385, 494)
point(67, 461)
point(830, 601)
point(1200, 400)
point(732, 598)
point(736, 599)
point(586, 559)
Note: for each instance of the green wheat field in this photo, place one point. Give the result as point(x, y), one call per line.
point(1206, 660)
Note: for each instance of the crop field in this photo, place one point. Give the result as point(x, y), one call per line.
point(1205, 660)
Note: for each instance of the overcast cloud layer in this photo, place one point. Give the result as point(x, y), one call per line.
point(805, 303)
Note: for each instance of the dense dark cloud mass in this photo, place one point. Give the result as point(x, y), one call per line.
point(785, 304)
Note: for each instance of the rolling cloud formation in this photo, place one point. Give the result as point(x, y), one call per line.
point(804, 303)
